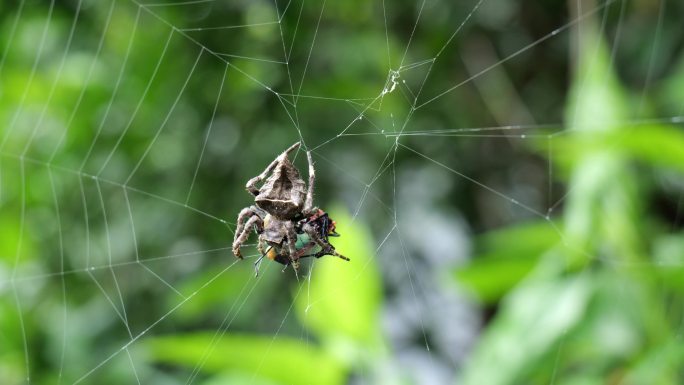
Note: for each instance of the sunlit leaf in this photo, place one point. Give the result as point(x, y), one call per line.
point(582, 379)
point(660, 366)
point(602, 206)
point(669, 261)
point(530, 324)
point(659, 146)
point(342, 299)
point(237, 379)
point(279, 358)
point(504, 258)
point(223, 292)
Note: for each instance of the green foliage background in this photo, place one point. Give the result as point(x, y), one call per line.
point(128, 133)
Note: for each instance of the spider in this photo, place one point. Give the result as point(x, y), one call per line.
point(288, 225)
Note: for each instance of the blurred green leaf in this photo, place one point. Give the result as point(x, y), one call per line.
point(658, 366)
point(492, 277)
point(655, 145)
point(9, 237)
point(530, 324)
point(342, 299)
point(504, 257)
point(519, 240)
point(222, 293)
point(668, 252)
point(671, 88)
point(11, 358)
point(237, 379)
point(581, 379)
point(597, 101)
point(281, 359)
point(602, 206)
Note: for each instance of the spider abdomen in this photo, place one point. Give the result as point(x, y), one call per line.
point(282, 194)
point(274, 230)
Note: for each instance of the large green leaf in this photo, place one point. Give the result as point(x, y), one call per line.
point(341, 299)
point(224, 292)
point(504, 257)
point(279, 358)
point(656, 145)
point(603, 207)
point(237, 379)
point(528, 328)
point(660, 366)
point(668, 255)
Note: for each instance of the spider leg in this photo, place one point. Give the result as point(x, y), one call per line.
point(243, 229)
point(242, 217)
point(330, 251)
point(251, 184)
point(302, 252)
point(326, 247)
point(308, 204)
point(260, 247)
point(295, 267)
point(291, 242)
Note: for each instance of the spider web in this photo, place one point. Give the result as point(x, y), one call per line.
point(120, 254)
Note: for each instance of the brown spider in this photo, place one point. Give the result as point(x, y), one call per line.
point(288, 225)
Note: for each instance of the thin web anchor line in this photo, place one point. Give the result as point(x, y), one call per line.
point(117, 85)
point(177, 3)
point(207, 49)
point(61, 268)
point(114, 265)
point(109, 259)
point(520, 51)
point(19, 110)
point(135, 245)
point(13, 31)
point(360, 272)
point(250, 58)
point(208, 133)
point(494, 191)
point(22, 224)
point(225, 325)
point(166, 119)
point(311, 48)
point(53, 87)
point(113, 183)
point(286, 55)
point(29, 83)
point(391, 81)
point(275, 335)
point(122, 314)
point(197, 29)
point(151, 326)
point(395, 147)
point(86, 83)
point(138, 105)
